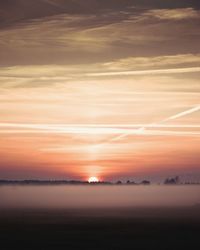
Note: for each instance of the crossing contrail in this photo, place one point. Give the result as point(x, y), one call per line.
point(151, 125)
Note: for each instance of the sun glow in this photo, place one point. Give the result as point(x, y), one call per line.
point(93, 179)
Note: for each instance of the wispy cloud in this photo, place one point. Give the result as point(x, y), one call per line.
point(174, 14)
point(64, 38)
point(152, 62)
point(146, 72)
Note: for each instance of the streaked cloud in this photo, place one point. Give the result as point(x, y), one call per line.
point(60, 75)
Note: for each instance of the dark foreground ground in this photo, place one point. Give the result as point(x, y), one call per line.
point(100, 229)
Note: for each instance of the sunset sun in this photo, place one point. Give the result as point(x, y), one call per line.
point(93, 179)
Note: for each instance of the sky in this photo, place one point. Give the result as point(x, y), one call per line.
point(104, 88)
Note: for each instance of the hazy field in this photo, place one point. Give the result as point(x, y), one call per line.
point(102, 217)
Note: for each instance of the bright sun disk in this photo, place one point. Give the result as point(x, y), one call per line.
point(93, 179)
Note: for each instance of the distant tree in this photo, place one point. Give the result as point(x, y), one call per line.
point(176, 179)
point(130, 182)
point(172, 181)
point(119, 182)
point(145, 182)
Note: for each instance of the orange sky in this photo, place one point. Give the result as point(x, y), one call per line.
point(106, 99)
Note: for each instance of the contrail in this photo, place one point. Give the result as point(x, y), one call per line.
point(187, 112)
point(146, 133)
point(123, 129)
point(90, 125)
